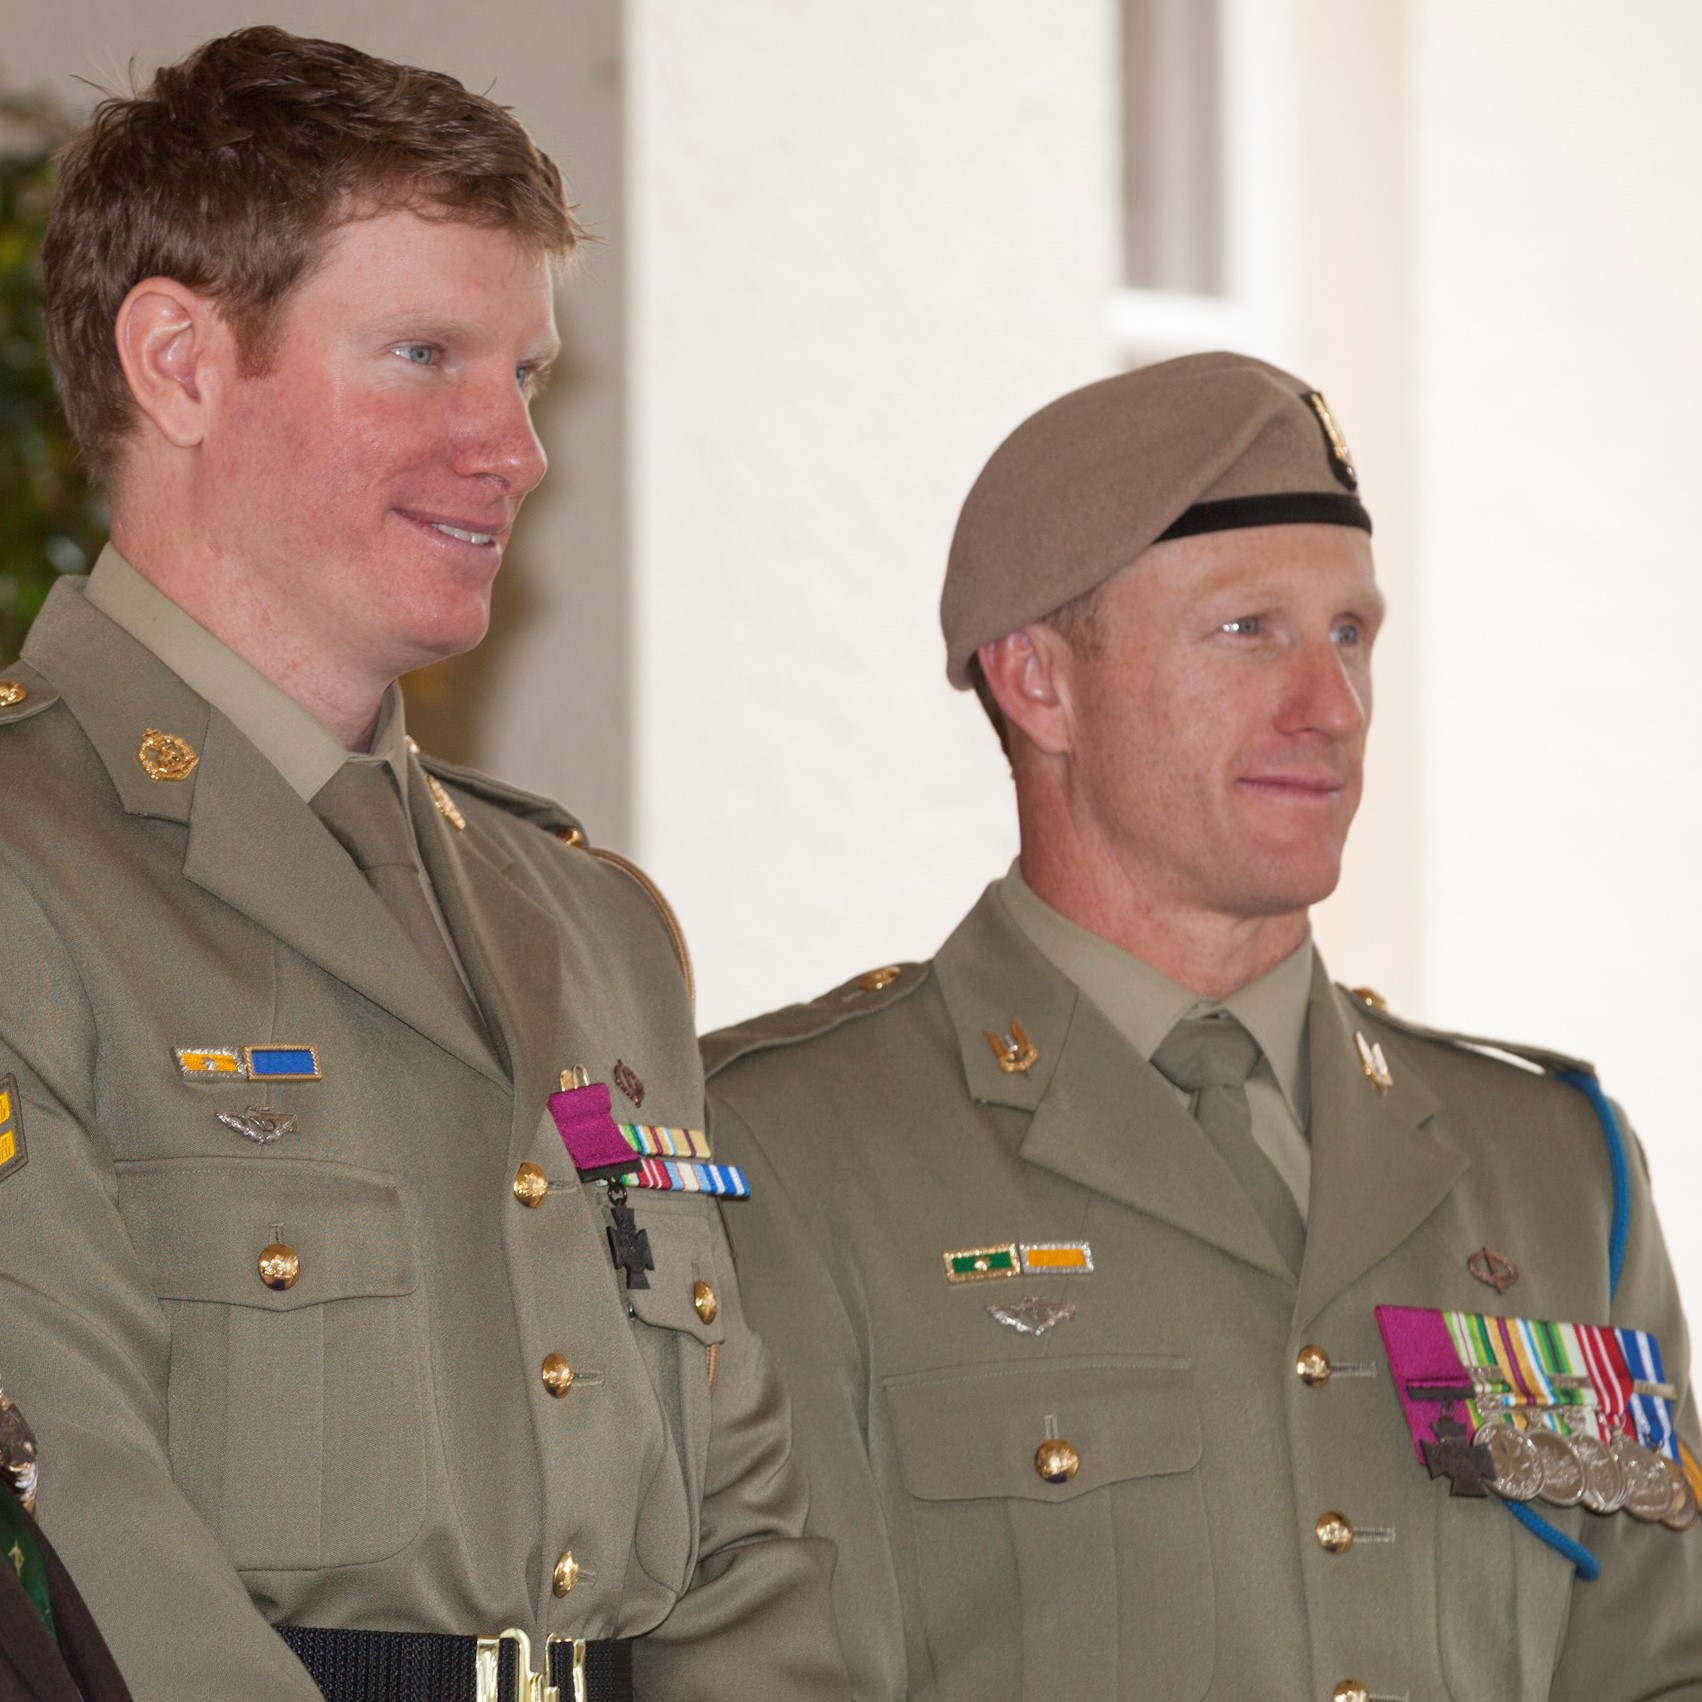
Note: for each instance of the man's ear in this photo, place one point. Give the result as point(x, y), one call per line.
point(170, 342)
point(1028, 673)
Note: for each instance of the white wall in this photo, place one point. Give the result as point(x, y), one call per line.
point(1559, 358)
point(868, 240)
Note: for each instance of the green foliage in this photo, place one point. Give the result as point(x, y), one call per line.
point(52, 520)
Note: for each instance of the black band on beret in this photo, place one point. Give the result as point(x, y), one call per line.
point(1286, 508)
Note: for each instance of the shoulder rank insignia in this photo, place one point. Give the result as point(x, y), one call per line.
point(14, 1155)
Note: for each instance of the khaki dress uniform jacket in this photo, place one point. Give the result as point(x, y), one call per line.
point(374, 1446)
point(1181, 1561)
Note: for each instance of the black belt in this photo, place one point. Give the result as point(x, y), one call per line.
point(432, 1666)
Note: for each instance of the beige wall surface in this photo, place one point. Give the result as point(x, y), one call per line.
point(545, 702)
point(1558, 243)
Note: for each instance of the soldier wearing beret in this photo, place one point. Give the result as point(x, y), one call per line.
point(358, 1369)
point(1162, 1320)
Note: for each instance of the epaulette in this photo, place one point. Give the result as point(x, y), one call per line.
point(529, 806)
point(23, 693)
point(1507, 1051)
point(553, 819)
point(862, 995)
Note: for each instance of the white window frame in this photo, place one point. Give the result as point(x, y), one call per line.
point(1259, 311)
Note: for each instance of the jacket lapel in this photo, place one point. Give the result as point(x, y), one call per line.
point(510, 947)
point(1378, 1168)
point(1101, 1115)
point(252, 842)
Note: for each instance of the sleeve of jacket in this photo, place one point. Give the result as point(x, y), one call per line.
point(797, 1308)
point(85, 1350)
point(1636, 1632)
point(756, 1621)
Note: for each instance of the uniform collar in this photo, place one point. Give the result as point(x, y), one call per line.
point(1143, 1004)
point(289, 738)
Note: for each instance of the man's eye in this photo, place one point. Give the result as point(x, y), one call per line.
point(417, 354)
point(1346, 634)
point(1247, 627)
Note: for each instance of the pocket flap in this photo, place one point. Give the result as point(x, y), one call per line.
point(971, 1432)
point(679, 1245)
point(199, 1225)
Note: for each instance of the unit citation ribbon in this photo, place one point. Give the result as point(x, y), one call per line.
point(1573, 1414)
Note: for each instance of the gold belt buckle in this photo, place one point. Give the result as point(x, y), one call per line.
point(529, 1686)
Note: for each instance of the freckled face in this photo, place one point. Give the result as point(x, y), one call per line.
point(369, 480)
point(1218, 733)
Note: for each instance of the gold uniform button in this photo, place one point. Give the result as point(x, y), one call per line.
point(1312, 1367)
point(11, 692)
point(557, 1375)
point(566, 1574)
point(280, 1265)
point(1057, 1460)
point(873, 980)
point(1350, 1690)
point(1335, 1533)
point(530, 1185)
point(704, 1298)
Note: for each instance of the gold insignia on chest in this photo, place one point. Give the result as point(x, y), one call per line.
point(1372, 1061)
point(11, 692)
point(445, 804)
point(1014, 1052)
point(164, 756)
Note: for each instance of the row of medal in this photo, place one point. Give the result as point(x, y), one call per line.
point(1584, 1467)
point(1533, 1409)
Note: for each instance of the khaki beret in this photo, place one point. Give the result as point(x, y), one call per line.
point(1206, 443)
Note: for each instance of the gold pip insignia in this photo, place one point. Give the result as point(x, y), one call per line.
point(1341, 458)
point(164, 756)
point(1015, 1052)
point(14, 1155)
point(982, 1264)
point(11, 692)
point(873, 980)
point(445, 805)
point(1372, 1061)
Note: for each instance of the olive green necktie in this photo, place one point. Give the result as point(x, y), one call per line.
point(1211, 1058)
point(20, 1551)
point(361, 807)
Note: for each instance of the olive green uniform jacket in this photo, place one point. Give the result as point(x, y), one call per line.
point(373, 1447)
point(1181, 1561)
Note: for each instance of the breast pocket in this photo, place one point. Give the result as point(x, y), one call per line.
point(1085, 1568)
point(679, 1334)
point(296, 1404)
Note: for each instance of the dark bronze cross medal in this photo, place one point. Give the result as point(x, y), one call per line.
point(1455, 1456)
point(628, 1244)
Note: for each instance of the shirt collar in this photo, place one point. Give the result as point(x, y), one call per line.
point(1143, 1004)
point(284, 733)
